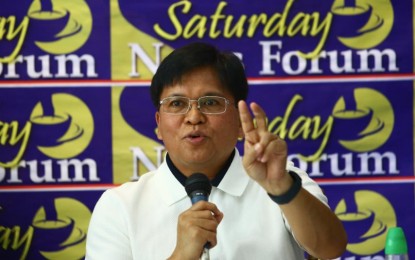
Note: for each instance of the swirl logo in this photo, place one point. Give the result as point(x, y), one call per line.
point(366, 119)
point(60, 229)
point(366, 216)
point(63, 126)
point(61, 26)
point(369, 22)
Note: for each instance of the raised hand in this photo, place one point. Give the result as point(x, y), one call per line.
point(265, 154)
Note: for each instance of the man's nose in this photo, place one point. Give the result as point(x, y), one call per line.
point(194, 115)
point(194, 104)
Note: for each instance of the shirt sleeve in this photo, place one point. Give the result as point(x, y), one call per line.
point(107, 236)
point(308, 184)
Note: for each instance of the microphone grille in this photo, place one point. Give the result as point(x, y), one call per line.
point(197, 181)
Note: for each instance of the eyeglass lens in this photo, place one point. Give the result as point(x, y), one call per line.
point(207, 104)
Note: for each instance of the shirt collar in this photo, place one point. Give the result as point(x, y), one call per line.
point(215, 182)
point(236, 179)
point(231, 179)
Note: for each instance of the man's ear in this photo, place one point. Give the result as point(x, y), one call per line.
point(158, 125)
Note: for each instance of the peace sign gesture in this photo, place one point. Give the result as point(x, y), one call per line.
point(265, 154)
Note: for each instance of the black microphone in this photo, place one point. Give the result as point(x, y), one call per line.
point(198, 188)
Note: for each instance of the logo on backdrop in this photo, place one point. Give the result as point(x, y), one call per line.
point(60, 126)
point(361, 120)
point(63, 126)
point(60, 229)
point(58, 27)
point(366, 215)
point(368, 117)
point(369, 22)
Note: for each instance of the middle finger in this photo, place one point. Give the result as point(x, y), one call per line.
point(247, 123)
point(260, 117)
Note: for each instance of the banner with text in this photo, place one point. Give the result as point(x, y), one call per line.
point(335, 77)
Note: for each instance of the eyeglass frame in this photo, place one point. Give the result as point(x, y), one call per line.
point(227, 103)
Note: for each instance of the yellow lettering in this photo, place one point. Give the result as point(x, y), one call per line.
point(277, 24)
point(13, 32)
point(280, 26)
point(5, 234)
point(2, 27)
point(281, 130)
point(326, 130)
point(213, 33)
point(298, 25)
point(303, 127)
point(254, 22)
point(315, 30)
point(175, 21)
point(10, 237)
point(269, 29)
point(9, 134)
point(238, 29)
point(196, 26)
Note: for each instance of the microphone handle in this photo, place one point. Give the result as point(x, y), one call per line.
point(205, 254)
point(198, 196)
point(195, 197)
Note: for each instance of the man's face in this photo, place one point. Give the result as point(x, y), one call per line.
point(198, 142)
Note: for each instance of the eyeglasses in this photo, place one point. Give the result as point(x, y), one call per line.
point(209, 105)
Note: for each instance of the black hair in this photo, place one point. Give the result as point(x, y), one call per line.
point(199, 55)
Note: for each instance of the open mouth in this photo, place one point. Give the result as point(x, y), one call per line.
point(195, 137)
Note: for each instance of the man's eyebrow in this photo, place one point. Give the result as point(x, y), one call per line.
point(220, 94)
point(213, 94)
point(176, 95)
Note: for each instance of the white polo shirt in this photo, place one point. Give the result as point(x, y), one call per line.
point(138, 220)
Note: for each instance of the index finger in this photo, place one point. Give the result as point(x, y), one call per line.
point(205, 205)
point(246, 118)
